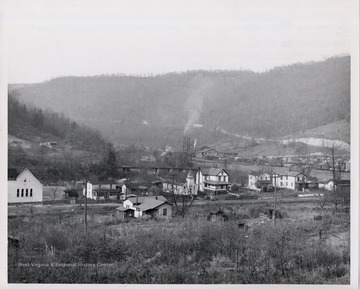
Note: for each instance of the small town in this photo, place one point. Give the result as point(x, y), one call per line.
point(180, 142)
point(311, 192)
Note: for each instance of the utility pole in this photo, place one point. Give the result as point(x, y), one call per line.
point(85, 217)
point(275, 202)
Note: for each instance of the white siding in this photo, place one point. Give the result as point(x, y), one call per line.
point(25, 182)
point(89, 191)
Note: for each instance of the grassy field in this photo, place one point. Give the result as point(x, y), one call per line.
point(53, 193)
point(193, 250)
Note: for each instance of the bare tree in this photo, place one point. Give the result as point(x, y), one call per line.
point(182, 201)
point(304, 171)
point(333, 166)
point(304, 168)
point(338, 194)
point(54, 191)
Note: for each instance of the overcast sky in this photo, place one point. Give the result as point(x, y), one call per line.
point(47, 39)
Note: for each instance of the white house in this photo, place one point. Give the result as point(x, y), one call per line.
point(327, 184)
point(212, 180)
point(254, 177)
point(154, 206)
point(285, 179)
point(179, 187)
point(24, 187)
point(101, 189)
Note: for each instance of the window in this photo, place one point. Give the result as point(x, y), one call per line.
point(164, 212)
point(292, 184)
point(22, 192)
point(27, 193)
point(286, 177)
point(281, 178)
point(286, 183)
point(30, 192)
point(281, 184)
point(18, 192)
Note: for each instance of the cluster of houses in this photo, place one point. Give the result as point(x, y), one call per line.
point(212, 153)
point(292, 180)
point(319, 162)
point(145, 198)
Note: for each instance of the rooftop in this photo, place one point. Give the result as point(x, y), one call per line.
point(212, 171)
point(148, 203)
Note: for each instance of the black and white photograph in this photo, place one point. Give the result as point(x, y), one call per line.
point(180, 142)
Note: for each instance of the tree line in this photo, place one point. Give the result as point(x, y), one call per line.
point(82, 151)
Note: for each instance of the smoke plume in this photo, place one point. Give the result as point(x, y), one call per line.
point(199, 87)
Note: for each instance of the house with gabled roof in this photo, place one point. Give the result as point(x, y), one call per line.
point(106, 189)
point(212, 180)
point(259, 176)
point(281, 178)
point(152, 206)
point(23, 187)
point(181, 186)
point(208, 152)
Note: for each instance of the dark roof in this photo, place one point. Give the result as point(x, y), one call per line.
point(140, 200)
point(103, 182)
point(177, 182)
point(257, 173)
point(12, 173)
point(149, 203)
point(219, 212)
point(141, 186)
point(212, 171)
point(123, 209)
point(204, 147)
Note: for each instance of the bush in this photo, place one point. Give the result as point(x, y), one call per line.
point(180, 251)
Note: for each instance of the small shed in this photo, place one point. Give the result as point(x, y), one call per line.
point(218, 216)
point(124, 213)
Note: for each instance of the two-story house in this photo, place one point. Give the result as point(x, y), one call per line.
point(101, 189)
point(212, 180)
point(181, 187)
point(259, 180)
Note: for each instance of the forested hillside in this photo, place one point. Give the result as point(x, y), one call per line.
point(159, 109)
point(78, 151)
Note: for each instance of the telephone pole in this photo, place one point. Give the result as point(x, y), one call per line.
point(275, 202)
point(85, 212)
